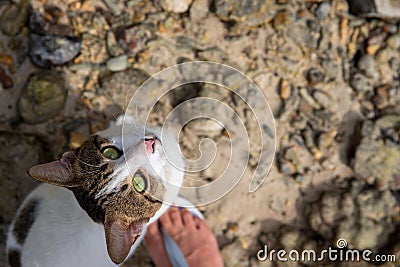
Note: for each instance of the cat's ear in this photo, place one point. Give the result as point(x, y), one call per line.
point(120, 236)
point(57, 172)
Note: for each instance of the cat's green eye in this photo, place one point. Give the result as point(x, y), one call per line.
point(111, 153)
point(139, 183)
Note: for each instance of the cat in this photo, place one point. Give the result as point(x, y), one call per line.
point(96, 201)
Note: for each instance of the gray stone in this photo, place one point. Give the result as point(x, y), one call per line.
point(117, 63)
point(48, 50)
point(13, 17)
point(315, 76)
point(387, 8)
point(323, 10)
point(362, 7)
point(375, 8)
point(135, 39)
point(305, 33)
point(199, 9)
point(114, 6)
point(367, 65)
point(176, 6)
point(241, 10)
point(112, 46)
point(43, 97)
point(393, 41)
point(50, 21)
point(360, 82)
point(322, 98)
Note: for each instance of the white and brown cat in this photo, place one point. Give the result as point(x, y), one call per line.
point(96, 201)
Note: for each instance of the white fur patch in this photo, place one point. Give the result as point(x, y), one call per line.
point(63, 235)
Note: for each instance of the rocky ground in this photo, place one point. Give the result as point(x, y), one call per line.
point(329, 69)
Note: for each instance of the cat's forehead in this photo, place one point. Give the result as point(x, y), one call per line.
point(127, 134)
point(112, 134)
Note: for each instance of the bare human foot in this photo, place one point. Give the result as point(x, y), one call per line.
point(195, 240)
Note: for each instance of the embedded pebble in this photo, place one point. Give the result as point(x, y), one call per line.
point(305, 33)
point(315, 76)
point(326, 139)
point(281, 20)
point(362, 7)
point(360, 82)
point(51, 50)
point(367, 65)
point(289, 106)
point(381, 98)
point(310, 100)
point(287, 168)
point(323, 10)
point(13, 17)
point(176, 6)
point(113, 6)
point(50, 21)
point(385, 54)
point(393, 41)
point(239, 10)
point(372, 48)
point(43, 97)
point(301, 55)
point(135, 39)
point(113, 47)
point(395, 64)
point(199, 10)
point(285, 89)
point(117, 63)
point(323, 99)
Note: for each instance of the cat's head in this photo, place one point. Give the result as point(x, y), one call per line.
point(124, 189)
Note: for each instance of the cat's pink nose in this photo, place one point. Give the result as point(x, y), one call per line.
point(149, 145)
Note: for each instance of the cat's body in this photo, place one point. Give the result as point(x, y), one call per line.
point(61, 233)
point(102, 198)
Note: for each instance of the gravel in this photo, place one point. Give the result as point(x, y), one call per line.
point(331, 77)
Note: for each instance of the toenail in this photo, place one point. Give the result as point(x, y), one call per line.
point(172, 210)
